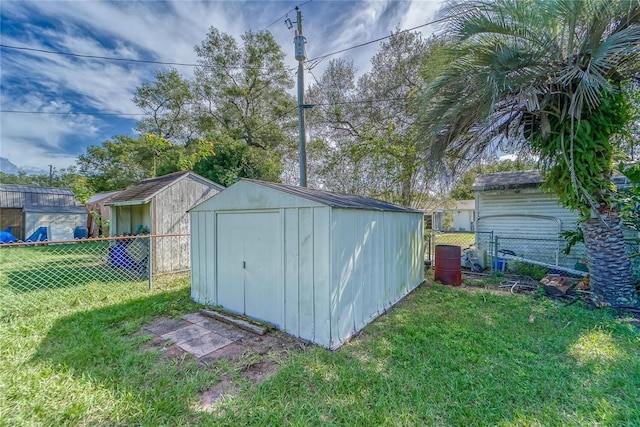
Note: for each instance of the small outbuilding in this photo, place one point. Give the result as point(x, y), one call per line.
point(52, 213)
point(316, 264)
point(527, 220)
point(98, 221)
point(458, 215)
point(158, 206)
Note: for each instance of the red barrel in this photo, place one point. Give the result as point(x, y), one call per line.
point(448, 270)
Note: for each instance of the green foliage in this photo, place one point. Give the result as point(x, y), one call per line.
point(526, 269)
point(373, 147)
point(168, 103)
point(547, 76)
point(577, 155)
point(572, 237)
point(235, 159)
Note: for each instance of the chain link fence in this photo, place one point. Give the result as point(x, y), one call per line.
point(46, 272)
point(526, 256)
point(478, 246)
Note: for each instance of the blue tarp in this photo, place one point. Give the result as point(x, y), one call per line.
point(40, 235)
point(6, 237)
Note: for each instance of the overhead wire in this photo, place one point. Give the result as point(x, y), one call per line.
point(312, 63)
point(315, 61)
point(285, 15)
point(133, 60)
point(71, 113)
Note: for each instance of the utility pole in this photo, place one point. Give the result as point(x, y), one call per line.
point(299, 42)
point(50, 175)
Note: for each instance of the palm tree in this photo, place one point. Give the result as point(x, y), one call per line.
point(544, 75)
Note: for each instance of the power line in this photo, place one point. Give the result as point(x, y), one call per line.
point(105, 58)
point(284, 16)
point(71, 113)
point(111, 58)
point(315, 61)
point(364, 101)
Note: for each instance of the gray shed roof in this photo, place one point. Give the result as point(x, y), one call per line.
point(101, 196)
point(336, 200)
point(147, 189)
point(507, 180)
point(523, 179)
point(56, 209)
point(18, 196)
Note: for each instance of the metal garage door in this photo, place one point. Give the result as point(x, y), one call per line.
point(249, 264)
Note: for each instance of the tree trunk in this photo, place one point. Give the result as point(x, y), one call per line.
point(612, 280)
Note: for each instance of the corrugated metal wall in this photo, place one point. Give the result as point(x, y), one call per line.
point(17, 196)
point(340, 267)
point(377, 259)
point(528, 222)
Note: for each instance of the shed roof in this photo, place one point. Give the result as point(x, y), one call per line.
point(101, 196)
point(523, 179)
point(507, 180)
point(56, 209)
point(336, 200)
point(18, 196)
point(147, 189)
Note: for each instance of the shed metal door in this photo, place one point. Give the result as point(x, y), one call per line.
point(250, 265)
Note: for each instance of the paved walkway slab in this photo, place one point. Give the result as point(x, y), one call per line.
point(187, 333)
point(205, 344)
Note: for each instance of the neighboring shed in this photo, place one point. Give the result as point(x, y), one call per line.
point(159, 206)
point(25, 209)
point(98, 222)
point(315, 264)
point(460, 215)
point(525, 218)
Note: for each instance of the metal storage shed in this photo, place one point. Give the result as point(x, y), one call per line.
point(315, 264)
point(159, 206)
point(24, 209)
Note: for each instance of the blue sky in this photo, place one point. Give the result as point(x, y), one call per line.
point(83, 98)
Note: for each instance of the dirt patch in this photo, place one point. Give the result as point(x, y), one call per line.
point(239, 356)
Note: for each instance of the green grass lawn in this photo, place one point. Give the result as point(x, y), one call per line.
point(441, 357)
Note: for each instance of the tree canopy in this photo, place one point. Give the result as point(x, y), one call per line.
point(548, 76)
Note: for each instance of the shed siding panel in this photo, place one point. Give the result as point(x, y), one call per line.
point(344, 249)
point(211, 287)
point(60, 226)
point(203, 258)
point(355, 281)
point(321, 261)
point(291, 260)
point(305, 274)
point(522, 204)
point(513, 219)
point(390, 259)
point(198, 255)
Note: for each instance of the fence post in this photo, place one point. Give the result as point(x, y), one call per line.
point(495, 254)
point(150, 262)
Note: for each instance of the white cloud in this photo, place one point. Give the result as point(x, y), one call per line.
point(150, 30)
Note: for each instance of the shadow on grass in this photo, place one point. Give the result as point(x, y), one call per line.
point(450, 358)
point(100, 350)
